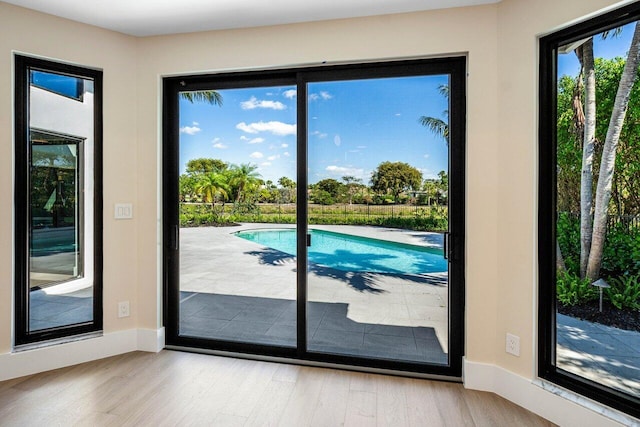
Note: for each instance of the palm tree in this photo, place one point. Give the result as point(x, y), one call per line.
point(243, 176)
point(585, 55)
point(211, 185)
point(210, 96)
point(438, 126)
point(608, 162)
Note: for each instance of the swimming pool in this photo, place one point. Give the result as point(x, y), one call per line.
point(353, 253)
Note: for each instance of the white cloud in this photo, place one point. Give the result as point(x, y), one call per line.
point(190, 130)
point(220, 145)
point(322, 95)
point(426, 156)
point(274, 157)
point(362, 147)
point(254, 103)
point(284, 145)
point(244, 138)
point(256, 155)
point(256, 140)
point(276, 128)
point(290, 94)
point(196, 124)
point(337, 140)
point(319, 134)
point(286, 154)
point(265, 164)
point(342, 171)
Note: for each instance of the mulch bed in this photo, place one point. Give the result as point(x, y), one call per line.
point(610, 316)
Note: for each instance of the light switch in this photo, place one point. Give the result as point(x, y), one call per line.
point(123, 211)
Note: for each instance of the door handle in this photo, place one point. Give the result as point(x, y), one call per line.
point(447, 245)
point(308, 240)
point(173, 238)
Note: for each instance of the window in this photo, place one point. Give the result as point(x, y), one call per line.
point(589, 210)
point(58, 208)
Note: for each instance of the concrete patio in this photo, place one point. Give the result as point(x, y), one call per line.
point(609, 356)
point(394, 316)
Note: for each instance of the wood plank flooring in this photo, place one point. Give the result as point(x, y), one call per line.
point(173, 388)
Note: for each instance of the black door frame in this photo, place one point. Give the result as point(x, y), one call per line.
point(455, 67)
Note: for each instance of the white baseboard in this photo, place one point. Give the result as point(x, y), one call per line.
point(151, 340)
point(560, 407)
point(27, 362)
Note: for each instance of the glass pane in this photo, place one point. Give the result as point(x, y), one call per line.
point(378, 211)
point(68, 86)
point(598, 212)
point(237, 205)
point(60, 259)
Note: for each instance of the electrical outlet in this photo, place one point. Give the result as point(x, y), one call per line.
point(123, 309)
point(513, 344)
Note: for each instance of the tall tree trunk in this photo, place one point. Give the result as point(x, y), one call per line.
point(608, 162)
point(588, 149)
point(560, 265)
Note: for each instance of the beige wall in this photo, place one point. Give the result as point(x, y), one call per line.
point(500, 41)
point(520, 23)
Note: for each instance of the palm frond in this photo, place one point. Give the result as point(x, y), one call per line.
point(437, 126)
point(444, 90)
point(209, 96)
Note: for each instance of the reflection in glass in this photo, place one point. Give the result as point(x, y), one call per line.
point(61, 142)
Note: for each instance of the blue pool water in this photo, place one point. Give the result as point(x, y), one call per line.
point(353, 253)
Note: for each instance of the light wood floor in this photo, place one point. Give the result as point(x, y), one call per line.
point(176, 388)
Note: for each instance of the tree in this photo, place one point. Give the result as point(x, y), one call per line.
point(204, 165)
point(187, 187)
point(331, 186)
point(586, 125)
point(242, 177)
point(438, 126)
point(608, 160)
point(352, 184)
point(211, 185)
point(286, 182)
point(395, 178)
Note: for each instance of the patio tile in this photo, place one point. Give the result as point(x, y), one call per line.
point(337, 338)
point(389, 346)
point(340, 323)
point(398, 331)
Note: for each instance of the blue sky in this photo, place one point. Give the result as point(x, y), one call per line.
point(352, 127)
point(610, 47)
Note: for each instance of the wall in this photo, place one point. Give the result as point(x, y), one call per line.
point(500, 42)
point(437, 33)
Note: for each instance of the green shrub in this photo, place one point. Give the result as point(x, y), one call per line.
point(621, 252)
point(624, 292)
point(568, 232)
point(571, 290)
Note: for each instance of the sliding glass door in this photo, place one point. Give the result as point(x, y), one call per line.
point(378, 154)
point(236, 166)
point(317, 214)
